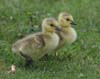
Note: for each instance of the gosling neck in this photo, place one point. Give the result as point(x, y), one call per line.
point(64, 28)
point(48, 32)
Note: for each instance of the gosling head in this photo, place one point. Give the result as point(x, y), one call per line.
point(50, 25)
point(65, 20)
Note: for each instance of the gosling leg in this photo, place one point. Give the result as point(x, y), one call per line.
point(28, 60)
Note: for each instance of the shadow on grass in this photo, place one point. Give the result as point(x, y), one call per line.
point(51, 64)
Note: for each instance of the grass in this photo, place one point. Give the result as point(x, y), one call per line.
point(81, 60)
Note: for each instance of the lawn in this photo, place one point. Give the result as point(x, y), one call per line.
point(81, 60)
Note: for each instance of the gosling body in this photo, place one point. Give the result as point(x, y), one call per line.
point(35, 46)
point(68, 35)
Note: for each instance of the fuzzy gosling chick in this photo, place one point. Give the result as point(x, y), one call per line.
point(67, 34)
point(36, 45)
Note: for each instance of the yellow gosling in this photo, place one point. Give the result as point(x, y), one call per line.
point(68, 34)
point(36, 45)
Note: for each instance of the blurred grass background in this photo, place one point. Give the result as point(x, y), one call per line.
point(80, 60)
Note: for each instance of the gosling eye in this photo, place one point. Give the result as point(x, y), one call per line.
point(67, 19)
point(51, 25)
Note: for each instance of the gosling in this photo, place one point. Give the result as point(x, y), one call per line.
point(67, 34)
point(35, 46)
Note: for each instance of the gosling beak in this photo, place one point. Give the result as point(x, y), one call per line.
point(57, 28)
point(73, 23)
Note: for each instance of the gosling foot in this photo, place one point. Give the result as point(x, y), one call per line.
point(28, 62)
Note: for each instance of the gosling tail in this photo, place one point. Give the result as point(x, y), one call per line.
point(15, 48)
